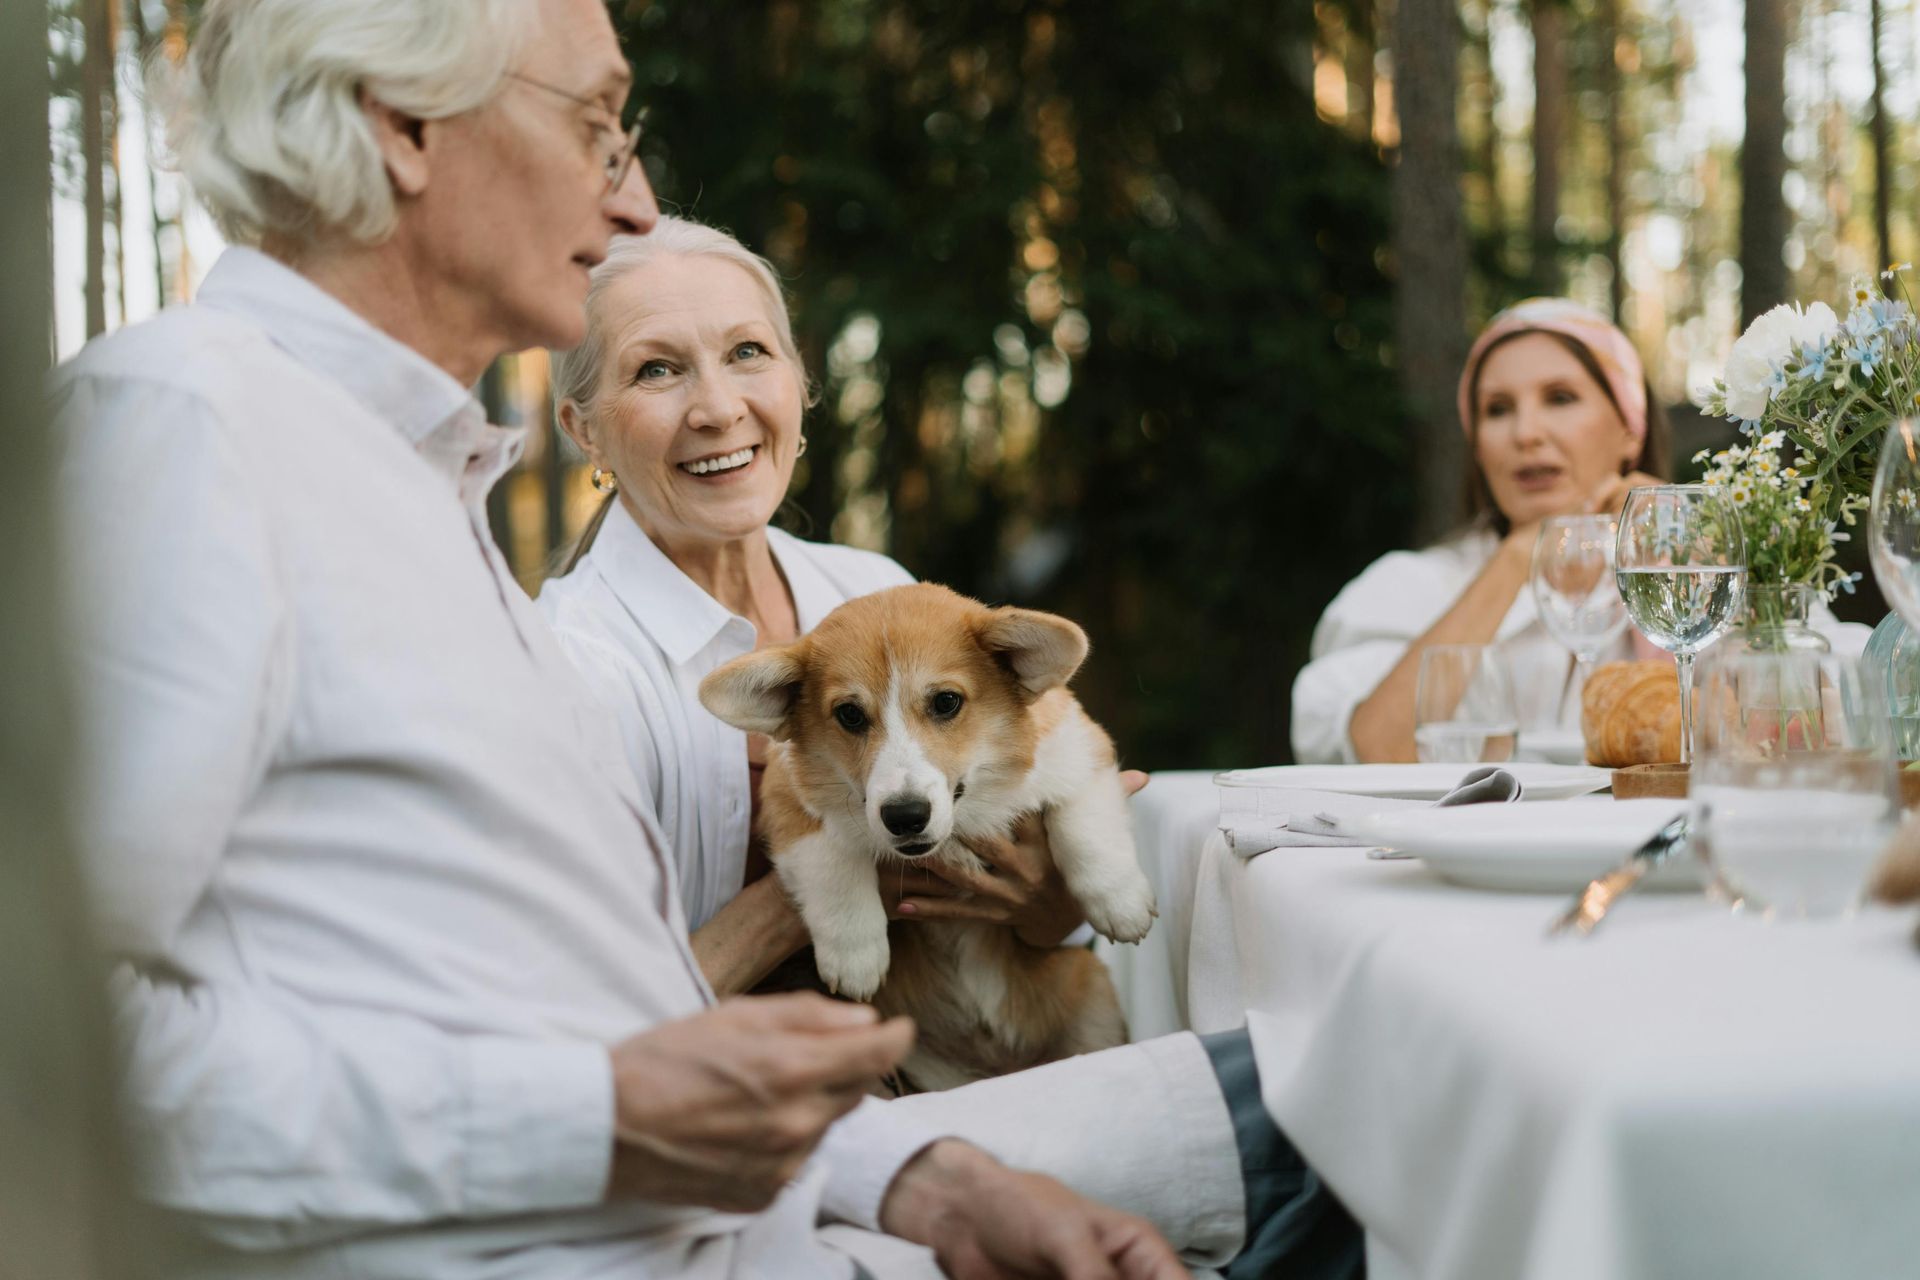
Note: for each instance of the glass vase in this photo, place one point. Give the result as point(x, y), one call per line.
point(1894, 651)
point(1773, 710)
point(1775, 620)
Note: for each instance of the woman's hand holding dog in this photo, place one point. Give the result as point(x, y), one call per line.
point(1021, 886)
point(723, 1108)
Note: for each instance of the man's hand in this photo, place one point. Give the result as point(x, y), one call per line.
point(1020, 886)
point(723, 1108)
point(984, 1221)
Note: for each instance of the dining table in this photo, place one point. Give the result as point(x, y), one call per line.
point(1688, 1092)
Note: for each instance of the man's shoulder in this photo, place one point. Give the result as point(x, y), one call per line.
point(194, 349)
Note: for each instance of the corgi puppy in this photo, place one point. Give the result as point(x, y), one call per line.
point(907, 722)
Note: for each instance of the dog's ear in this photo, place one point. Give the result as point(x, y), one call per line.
point(756, 692)
point(1043, 650)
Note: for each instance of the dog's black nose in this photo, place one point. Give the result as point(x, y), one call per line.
point(904, 815)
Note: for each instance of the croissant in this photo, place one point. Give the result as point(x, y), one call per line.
point(1630, 714)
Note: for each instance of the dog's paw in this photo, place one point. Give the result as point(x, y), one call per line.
point(1123, 908)
point(853, 968)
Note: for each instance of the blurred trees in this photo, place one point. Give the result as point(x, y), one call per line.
point(1099, 307)
point(1763, 161)
point(1430, 249)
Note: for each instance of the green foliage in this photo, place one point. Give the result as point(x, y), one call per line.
point(1131, 358)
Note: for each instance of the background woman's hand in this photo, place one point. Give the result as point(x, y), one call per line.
point(1611, 496)
point(1020, 886)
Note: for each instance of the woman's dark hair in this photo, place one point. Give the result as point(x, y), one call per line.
point(1481, 510)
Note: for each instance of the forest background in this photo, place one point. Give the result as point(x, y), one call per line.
point(1150, 311)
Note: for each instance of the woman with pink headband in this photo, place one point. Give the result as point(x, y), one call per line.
point(1559, 419)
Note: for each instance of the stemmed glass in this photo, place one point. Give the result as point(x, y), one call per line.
point(1680, 561)
point(1893, 522)
point(1573, 586)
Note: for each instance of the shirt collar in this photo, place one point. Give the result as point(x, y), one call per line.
point(433, 412)
point(675, 611)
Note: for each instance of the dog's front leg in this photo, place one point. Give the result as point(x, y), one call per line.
point(837, 888)
point(1092, 843)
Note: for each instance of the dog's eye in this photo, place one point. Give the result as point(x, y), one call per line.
point(851, 717)
point(945, 704)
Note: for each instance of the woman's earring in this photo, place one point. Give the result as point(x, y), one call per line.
point(605, 481)
point(801, 452)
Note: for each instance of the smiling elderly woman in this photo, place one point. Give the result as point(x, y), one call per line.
point(687, 397)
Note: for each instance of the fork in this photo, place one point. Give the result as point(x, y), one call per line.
point(1592, 903)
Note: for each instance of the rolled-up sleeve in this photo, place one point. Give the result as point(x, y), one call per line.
point(863, 1153)
point(273, 1120)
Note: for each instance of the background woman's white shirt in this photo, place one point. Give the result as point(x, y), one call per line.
point(643, 635)
point(1367, 628)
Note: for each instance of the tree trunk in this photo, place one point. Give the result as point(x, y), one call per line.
point(1878, 125)
point(1362, 41)
point(1763, 162)
point(1549, 126)
point(1430, 248)
point(96, 82)
point(1609, 34)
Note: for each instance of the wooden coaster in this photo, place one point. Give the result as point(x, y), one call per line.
point(1669, 782)
point(1650, 782)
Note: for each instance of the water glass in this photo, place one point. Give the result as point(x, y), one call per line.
point(1680, 560)
point(1893, 521)
point(1793, 790)
point(1463, 706)
point(1574, 589)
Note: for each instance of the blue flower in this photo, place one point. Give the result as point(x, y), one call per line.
point(1813, 362)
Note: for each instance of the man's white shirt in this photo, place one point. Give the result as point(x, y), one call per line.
point(373, 866)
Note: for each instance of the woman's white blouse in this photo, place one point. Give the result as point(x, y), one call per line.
point(1369, 625)
point(643, 635)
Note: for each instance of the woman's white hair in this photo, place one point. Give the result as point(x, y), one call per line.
point(265, 117)
point(577, 373)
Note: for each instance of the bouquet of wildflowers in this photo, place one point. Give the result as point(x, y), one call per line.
point(1789, 536)
point(1808, 384)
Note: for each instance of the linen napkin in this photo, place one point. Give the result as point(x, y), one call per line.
point(1254, 820)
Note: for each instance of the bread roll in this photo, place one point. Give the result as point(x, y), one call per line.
point(1630, 714)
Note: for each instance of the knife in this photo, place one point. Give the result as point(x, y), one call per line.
point(1592, 903)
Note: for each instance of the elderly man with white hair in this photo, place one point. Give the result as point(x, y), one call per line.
point(403, 983)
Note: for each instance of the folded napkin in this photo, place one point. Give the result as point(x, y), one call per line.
point(1256, 819)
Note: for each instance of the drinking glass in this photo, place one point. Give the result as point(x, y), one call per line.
point(1893, 522)
point(1463, 706)
point(1573, 587)
point(1680, 561)
point(1793, 792)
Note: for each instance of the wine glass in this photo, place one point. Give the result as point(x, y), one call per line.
point(1893, 522)
point(1573, 587)
point(1680, 561)
point(1463, 707)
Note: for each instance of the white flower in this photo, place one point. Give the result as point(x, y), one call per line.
point(1766, 345)
point(1741, 494)
point(1773, 440)
point(1802, 505)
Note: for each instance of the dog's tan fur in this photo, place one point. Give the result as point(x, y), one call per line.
point(985, 1002)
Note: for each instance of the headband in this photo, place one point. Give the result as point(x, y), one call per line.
point(1611, 350)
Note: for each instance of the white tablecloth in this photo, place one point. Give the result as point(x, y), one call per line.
point(1686, 1094)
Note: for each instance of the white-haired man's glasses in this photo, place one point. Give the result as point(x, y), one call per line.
point(617, 149)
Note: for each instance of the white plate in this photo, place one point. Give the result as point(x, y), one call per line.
point(1534, 848)
point(1418, 781)
point(1560, 746)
